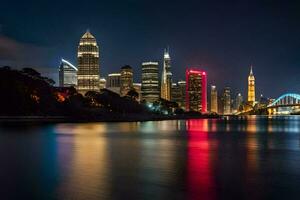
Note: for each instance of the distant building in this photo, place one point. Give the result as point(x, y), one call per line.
point(178, 93)
point(182, 88)
point(150, 83)
point(88, 64)
point(226, 101)
point(251, 87)
point(113, 82)
point(126, 80)
point(175, 94)
point(67, 74)
point(238, 102)
point(138, 87)
point(213, 99)
point(196, 96)
point(102, 83)
point(166, 80)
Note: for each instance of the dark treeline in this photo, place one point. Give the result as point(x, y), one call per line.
point(26, 93)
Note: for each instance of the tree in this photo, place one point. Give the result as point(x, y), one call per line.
point(133, 94)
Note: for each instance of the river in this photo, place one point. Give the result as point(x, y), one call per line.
point(230, 158)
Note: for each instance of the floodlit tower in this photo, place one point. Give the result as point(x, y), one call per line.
point(166, 80)
point(88, 64)
point(251, 87)
point(213, 99)
point(196, 97)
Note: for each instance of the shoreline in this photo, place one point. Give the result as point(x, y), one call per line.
point(111, 118)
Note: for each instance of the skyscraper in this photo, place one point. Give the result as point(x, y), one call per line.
point(251, 87)
point(88, 64)
point(126, 80)
point(196, 97)
point(166, 80)
point(113, 82)
point(213, 99)
point(150, 83)
point(226, 101)
point(238, 102)
point(67, 74)
point(175, 94)
point(178, 93)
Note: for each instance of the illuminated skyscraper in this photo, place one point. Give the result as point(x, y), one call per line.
point(226, 101)
point(166, 80)
point(67, 74)
point(150, 83)
point(196, 96)
point(178, 93)
point(88, 64)
point(126, 80)
point(213, 99)
point(251, 87)
point(113, 82)
point(238, 102)
point(175, 95)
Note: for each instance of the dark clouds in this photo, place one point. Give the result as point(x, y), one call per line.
point(21, 54)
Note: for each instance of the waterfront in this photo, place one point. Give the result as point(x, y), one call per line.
point(232, 158)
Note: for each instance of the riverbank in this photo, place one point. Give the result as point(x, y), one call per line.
point(106, 118)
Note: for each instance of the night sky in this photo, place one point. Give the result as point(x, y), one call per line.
point(222, 37)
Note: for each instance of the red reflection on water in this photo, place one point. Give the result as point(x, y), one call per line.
point(199, 169)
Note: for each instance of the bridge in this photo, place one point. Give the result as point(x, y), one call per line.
point(285, 104)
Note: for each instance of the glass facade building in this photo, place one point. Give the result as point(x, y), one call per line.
point(67, 74)
point(226, 101)
point(178, 93)
point(150, 83)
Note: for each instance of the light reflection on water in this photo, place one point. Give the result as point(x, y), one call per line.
point(232, 158)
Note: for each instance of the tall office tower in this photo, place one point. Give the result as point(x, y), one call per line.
point(126, 80)
point(178, 93)
point(196, 97)
point(113, 82)
point(238, 102)
point(67, 74)
point(226, 101)
point(213, 99)
point(137, 87)
point(175, 94)
point(102, 83)
point(182, 89)
point(88, 64)
point(150, 83)
point(166, 80)
point(251, 87)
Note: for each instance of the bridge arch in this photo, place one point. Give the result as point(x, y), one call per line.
point(288, 96)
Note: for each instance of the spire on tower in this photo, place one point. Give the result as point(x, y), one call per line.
point(251, 71)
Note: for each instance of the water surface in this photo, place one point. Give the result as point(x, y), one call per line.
point(239, 158)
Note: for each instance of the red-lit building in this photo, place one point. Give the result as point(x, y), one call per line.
point(196, 97)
